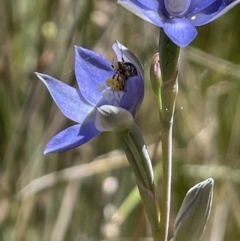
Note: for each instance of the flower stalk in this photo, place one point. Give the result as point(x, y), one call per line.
point(168, 55)
point(168, 52)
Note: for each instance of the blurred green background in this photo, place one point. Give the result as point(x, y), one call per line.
point(76, 195)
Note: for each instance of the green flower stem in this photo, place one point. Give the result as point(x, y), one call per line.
point(139, 160)
point(168, 53)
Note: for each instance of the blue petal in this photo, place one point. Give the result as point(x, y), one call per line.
point(150, 4)
point(88, 124)
point(215, 10)
point(91, 69)
point(67, 98)
point(198, 5)
point(180, 31)
point(133, 97)
point(70, 138)
point(154, 16)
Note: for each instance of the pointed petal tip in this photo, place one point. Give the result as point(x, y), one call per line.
point(48, 150)
point(210, 181)
point(116, 42)
point(45, 152)
point(79, 51)
point(41, 76)
point(123, 53)
point(38, 75)
point(76, 50)
point(119, 2)
point(76, 47)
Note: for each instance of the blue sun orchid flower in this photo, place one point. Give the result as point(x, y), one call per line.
point(102, 91)
point(178, 18)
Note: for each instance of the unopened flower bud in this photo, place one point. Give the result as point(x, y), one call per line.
point(112, 118)
point(155, 74)
point(194, 212)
